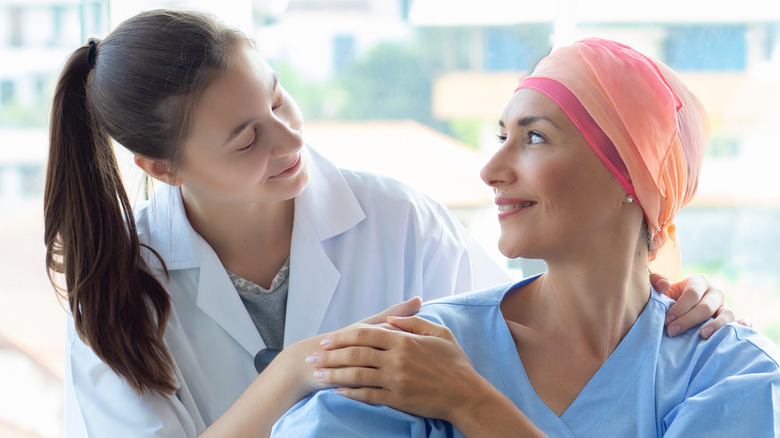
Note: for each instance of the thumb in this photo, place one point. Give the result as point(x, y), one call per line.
point(406, 308)
point(660, 283)
point(416, 325)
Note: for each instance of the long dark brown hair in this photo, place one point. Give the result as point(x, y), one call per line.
point(138, 88)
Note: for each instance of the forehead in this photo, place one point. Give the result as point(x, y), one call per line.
point(246, 68)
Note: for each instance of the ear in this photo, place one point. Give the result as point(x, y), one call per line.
point(157, 169)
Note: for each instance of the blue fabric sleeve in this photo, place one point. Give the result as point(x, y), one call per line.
point(735, 392)
point(327, 414)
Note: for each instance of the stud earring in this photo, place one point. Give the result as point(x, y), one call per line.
point(629, 199)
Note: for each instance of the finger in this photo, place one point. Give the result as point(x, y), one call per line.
point(725, 316)
point(350, 376)
point(698, 283)
point(346, 357)
point(363, 335)
point(406, 308)
point(745, 322)
point(689, 293)
point(698, 313)
point(659, 282)
point(419, 326)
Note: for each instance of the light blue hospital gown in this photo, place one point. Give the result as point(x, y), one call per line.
point(651, 385)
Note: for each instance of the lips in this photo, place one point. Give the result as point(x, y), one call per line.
point(509, 206)
point(291, 169)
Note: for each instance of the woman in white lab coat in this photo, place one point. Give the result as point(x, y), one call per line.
point(164, 323)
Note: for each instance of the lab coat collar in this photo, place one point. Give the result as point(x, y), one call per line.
point(170, 232)
point(181, 247)
point(326, 208)
point(327, 205)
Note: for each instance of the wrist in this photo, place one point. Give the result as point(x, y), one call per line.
point(467, 408)
point(289, 374)
point(489, 413)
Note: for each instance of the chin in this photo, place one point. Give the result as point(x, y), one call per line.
point(510, 249)
point(519, 247)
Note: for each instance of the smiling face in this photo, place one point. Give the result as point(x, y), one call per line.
point(555, 196)
point(245, 143)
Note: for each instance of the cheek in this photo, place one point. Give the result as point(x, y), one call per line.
point(555, 178)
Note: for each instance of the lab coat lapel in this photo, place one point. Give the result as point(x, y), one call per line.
point(217, 298)
point(326, 208)
point(182, 247)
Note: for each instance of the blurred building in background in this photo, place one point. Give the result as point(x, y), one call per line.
point(35, 38)
point(319, 39)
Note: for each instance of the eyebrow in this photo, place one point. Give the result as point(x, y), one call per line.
point(527, 120)
point(238, 129)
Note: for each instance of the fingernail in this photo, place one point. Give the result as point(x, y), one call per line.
point(319, 374)
point(670, 318)
point(706, 332)
point(312, 360)
point(325, 341)
point(674, 330)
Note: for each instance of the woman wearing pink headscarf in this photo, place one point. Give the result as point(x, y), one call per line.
point(600, 148)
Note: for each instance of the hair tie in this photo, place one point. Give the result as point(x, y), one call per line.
point(91, 54)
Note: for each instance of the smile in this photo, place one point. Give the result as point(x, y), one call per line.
point(508, 207)
point(292, 169)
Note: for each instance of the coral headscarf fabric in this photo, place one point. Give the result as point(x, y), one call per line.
point(643, 122)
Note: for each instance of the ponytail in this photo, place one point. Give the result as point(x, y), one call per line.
point(119, 307)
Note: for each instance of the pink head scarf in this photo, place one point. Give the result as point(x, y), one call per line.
point(640, 119)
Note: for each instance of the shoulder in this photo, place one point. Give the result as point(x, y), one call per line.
point(373, 189)
point(727, 385)
point(484, 297)
point(734, 351)
point(454, 310)
point(743, 344)
point(381, 200)
point(366, 186)
point(733, 341)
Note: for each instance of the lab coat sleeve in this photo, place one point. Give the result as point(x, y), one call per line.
point(328, 414)
point(98, 403)
point(735, 391)
point(459, 264)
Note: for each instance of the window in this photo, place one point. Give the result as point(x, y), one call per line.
point(343, 52)
point(707, 48)
point(15, 26)
point(6, 92)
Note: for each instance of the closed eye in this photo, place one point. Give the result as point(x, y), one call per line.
point(249, 146)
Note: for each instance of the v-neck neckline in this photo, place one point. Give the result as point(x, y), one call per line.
point(604, 389)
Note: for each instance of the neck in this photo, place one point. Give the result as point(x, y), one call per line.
point(251, 240)
point(592, 300)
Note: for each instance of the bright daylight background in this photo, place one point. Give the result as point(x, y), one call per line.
point(412, 89)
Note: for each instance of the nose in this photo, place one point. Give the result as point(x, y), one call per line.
point(497, 171)
point(287, 140)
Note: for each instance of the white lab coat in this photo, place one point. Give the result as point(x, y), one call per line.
point(360, 244)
